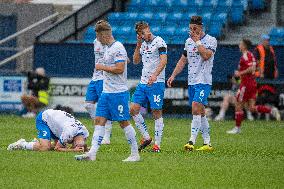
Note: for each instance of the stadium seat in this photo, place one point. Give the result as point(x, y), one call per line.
point(223, 6)
point(220, 17)
point(257, 4)
point(207, 8)
point(215, 29)
point(146, 16)
point(277, 36)
point(183, 31)
point(176, 16)
point(90, 35)
point(170, 31)
point(237, 16)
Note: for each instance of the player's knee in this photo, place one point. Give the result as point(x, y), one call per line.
point(91, 108)
point(157, 114)
point(100, 121)
point(196, 108)
point(134, 109)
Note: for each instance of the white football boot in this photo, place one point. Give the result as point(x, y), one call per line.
point(235, 130)
point(16, 145)
point(132, 158)
point(85, 157)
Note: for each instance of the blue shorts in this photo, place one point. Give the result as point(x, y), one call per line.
point(43, 131)
point(154, 94)
point(114, 106)
point(198, 93)
point(94, 90)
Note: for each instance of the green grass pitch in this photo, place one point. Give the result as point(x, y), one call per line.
point(253, 159)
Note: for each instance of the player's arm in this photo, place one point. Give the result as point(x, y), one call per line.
point(179, 67)
point(205, 52)
point(161, 66)
point(136, 55)
point(249, 70)
point(60, 148)
point(118, 68)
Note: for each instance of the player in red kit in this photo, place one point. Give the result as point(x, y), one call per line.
point(248, 88)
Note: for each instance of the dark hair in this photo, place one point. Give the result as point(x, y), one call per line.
point(64, 108)
point(140, 25)
point(196, 20)
point(247, 43)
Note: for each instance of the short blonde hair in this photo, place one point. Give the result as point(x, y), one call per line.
point(102, 25)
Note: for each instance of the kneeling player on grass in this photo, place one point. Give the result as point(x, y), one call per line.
point(248, 88)
point(60, 126)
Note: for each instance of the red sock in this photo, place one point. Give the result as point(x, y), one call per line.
point(239, 118)
point(263, 109)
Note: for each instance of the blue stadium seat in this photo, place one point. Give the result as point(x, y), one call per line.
point(146, 16)
point(176, 16)
point(257, 4)
point(170, 31)
point(220, 17)
point(183, 31)
point(237, 15)
point(155, 29)
point(178, 40)
point(89, 35)
point(114, 16)
point(207, 7)
point(223, 6)
point(215, 29)
point(277, 36)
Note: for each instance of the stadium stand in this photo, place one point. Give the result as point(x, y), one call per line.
point(166, 15)
point(277, 36)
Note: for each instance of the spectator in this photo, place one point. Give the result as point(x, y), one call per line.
point(38, 85)
point(230, 98)
point(267, 65)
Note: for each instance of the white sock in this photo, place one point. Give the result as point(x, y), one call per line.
point(131, 138)
point(108, 128)
point(205, 130)
point(28, 145)
point(222, 113)
point(195, 126)
point(159, 126)
point(140, 124)
point(97, 139)
point(91, 108)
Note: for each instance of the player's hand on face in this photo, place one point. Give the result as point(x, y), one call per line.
point(152, 79)
point(139, 38)
point(195, 35)
point(170, 81)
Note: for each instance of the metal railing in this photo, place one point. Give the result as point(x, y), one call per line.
point(28, 49)
point(70, 26)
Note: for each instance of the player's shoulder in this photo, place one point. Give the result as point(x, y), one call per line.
point(159, 39)
point(117, 45)
point(210, 38)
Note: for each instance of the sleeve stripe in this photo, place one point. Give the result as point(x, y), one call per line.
point(211, 49)
point(119, 61)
